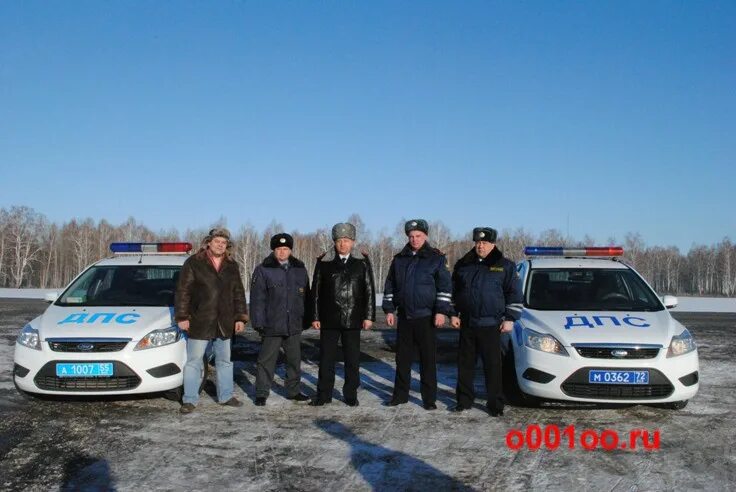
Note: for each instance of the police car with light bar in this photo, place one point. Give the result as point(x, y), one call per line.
point(111, 331)
point(593, 330)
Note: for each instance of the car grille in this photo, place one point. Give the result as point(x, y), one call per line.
point(577, 385)
point(616, 391)
point(607, 352)
point(87, 346)
point(124, 379)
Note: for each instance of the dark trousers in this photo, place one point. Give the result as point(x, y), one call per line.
point(421, 333)
point(267, 364)
point(486, 343)
point(328, 340)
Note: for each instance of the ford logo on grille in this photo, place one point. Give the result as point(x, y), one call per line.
point(619, 353)
point(85, 347)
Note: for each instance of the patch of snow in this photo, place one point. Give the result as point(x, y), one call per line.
point(26, 293)
point(706, 304)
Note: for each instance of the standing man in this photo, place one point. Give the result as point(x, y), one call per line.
point(210, 305)
point(344, 302)
point(419, 293)
point(487, 295)
point(279, 299)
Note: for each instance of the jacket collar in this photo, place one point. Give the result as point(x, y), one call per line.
point(201, 255)
point(332, 254)
point(471, 258)
point(271, 262)
point(425, 251)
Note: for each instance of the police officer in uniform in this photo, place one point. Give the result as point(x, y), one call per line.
point(280, 309)
point(344, 303)
point(487, 296)
point(418, 297)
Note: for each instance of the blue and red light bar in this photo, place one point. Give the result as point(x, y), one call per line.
point(558, 251)
point(150, 247)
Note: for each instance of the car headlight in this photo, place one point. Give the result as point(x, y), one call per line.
point(28, 337)
point(681, 344)
point(159, 338)
point(543, 342)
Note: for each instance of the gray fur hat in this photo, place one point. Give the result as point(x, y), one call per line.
point(343, 229)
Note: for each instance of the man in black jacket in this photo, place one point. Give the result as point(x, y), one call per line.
point(419, 292)
point(279, 300)
point(487, 294)
point(210, 305)
point(344, 302)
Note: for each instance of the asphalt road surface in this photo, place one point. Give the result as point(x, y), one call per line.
point(143, 442)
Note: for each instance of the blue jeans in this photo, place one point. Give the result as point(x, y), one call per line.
point(194, 367)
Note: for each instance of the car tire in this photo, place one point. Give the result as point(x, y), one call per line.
point(676, 405)
point(177, 393)
point(174, 394)
point(512, 391)
point(25, 395)
point(531, 401)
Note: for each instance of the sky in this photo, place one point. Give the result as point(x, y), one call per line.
point(596, 118)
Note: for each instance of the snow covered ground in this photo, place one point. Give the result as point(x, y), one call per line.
point(686, 304)
point(26, 293)
point(706, 304)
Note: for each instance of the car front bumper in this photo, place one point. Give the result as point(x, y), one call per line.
point(135, 371)
point(671, 379)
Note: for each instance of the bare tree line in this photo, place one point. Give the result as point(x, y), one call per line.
point(35, 252)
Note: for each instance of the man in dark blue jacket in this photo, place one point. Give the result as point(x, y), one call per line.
point(487, 294)
point(280, 304)
point(418, 292)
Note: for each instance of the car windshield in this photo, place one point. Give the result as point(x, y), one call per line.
point(128, 285)
point(590, 290)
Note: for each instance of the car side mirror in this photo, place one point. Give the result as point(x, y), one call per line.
point(669, 301)
point(51, 296)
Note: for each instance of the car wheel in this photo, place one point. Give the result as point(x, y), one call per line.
point(177, 393)
point(530, 401)
point(205, 373)
point(174, 394)
point(511, 389)
point(23, 393)
point(676, 405)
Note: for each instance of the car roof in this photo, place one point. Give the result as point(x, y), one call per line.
point(576, 262)
point(144, 259)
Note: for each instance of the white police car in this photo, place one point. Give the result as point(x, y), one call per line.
point(111, 331)
point(592, 330)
